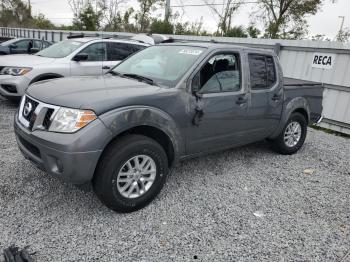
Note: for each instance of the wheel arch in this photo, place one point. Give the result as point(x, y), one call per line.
point(45, 76)
point(297, 104)
point(150, 122)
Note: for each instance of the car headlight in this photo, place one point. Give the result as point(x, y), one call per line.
point(68, 120)
point(15, 71)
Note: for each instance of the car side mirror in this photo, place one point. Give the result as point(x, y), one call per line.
point(34, 50)
point(13, 46)
point(81, 57)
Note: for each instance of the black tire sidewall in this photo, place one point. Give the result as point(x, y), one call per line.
point(280, 144)
point(113, 162)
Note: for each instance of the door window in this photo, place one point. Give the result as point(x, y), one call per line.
point(119, 51)
point(220, 74)
point(262, 71)
point(24, 44)
point(96, 52)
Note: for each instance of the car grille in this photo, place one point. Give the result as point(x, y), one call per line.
point(36, 115)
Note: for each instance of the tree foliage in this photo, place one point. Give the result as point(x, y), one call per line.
point(286, 18)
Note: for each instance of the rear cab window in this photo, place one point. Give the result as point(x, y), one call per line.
point(262, 71)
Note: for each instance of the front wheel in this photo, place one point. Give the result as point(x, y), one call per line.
point(293, 135)
point(131, 173)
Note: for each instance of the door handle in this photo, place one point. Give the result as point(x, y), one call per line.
point(106, 67)
point(241, 100)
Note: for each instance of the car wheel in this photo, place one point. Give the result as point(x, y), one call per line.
point(293, 135)
point(131, 173)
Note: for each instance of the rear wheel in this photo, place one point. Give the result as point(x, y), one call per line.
point(131, 173)
point(293, 135)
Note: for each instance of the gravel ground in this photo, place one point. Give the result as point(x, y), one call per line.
point(246, 204)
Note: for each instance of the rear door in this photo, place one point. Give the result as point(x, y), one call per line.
point(97, 55)
point(266, 95)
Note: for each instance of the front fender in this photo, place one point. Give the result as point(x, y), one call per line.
point(290, 106)
point(123, 119)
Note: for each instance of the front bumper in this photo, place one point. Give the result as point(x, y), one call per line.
point(71, 157)
point(13, 86)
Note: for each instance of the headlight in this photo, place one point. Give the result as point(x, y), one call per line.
point(15, 71)
point(69, 120)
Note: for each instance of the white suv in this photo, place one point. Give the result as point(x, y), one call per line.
point(72, 57)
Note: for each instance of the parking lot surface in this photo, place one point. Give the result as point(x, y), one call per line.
point(245, 204)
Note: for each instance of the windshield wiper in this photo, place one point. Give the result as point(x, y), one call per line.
point(115, 73)
point(141, 78)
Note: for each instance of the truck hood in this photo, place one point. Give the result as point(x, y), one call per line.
point(24, 60)
point(97, 93)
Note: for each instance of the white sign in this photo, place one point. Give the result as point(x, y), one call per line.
point(323, 60)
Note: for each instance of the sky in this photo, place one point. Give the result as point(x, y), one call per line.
point(326, 22)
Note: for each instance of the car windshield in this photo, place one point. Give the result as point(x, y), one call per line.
point(165, 65)
point(9, 42)
point(61, 49)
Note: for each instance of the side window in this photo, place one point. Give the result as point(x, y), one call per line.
point(258, 72)
point(24, 44)
point(118, 51)
point(220, 74)
point(262, 71)
point(96, 52)
point(271, 71)
point(136, 48)
point(37, 44)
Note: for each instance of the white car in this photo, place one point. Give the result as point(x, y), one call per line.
point(72, 57)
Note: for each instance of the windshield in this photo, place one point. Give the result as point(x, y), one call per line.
point(9, 42)
point(61, 49)
point(165, 65)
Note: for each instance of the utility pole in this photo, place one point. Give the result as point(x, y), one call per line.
point(167, 10)
point(341, 27)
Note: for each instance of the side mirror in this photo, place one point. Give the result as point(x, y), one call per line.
point(34, 50)
point(81, 57)
point(13, 46)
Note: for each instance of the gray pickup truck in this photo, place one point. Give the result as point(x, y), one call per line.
point(124, 130)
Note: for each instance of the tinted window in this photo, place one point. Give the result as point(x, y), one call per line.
point(221, 74)
point(96, 52)
point(24, 44)
point(119, 51)
point(37, 44)
point(271, 72)
point(258, 73)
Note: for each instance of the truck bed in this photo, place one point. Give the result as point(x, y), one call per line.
point(312, 91)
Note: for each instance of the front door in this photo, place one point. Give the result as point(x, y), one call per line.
point(97, 54)
point(222, 106)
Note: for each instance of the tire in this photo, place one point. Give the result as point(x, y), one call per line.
point(292, 145)
point(109, 179)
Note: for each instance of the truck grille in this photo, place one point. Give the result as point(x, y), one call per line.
point(36, 115)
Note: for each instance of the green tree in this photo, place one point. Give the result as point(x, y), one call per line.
point(161, 27)
point(286, 18)
point(237, 31)
point(343, 35)
point(253, 32)
point(88, 19)
point(143, 16)
point(41, 22)
point(15, 13)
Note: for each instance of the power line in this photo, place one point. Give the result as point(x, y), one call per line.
point(199, 5)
